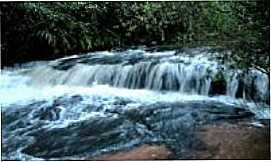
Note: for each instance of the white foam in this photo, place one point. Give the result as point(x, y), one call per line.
point(166, 53)
point(39, 81)
point(15, 90)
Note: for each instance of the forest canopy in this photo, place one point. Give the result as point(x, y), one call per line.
point(44, 30)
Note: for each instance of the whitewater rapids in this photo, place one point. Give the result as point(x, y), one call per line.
point(68, 95)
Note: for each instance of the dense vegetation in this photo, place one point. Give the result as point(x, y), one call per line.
point(41, 30)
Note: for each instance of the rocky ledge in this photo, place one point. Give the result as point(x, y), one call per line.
point(222, 141)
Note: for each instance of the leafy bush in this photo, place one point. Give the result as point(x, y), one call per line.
point(39, 30)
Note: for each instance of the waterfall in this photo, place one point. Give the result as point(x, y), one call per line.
point(103, 102)
point(188, 73)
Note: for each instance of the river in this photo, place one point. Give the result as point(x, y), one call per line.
point(83, 106)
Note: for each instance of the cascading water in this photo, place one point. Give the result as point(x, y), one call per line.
point(187, 73)
point(128, 95)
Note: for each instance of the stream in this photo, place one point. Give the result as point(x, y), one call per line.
point(83, 106)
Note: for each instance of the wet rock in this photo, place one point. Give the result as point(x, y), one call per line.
point(121, 127)
point(88, 137)
point(66, 100)
point(240, 89)
point(51, 113)
point(229, 113)
point(218, 85)
point(143, 152)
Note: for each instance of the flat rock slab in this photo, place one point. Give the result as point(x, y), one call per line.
point(235, 141)
point(222, 141)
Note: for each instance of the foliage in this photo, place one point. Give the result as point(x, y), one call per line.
point(39, 30)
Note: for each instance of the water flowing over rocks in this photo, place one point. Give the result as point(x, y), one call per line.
point(135, 101)
point(196, 72)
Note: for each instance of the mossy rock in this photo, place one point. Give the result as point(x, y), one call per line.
point(218, 85)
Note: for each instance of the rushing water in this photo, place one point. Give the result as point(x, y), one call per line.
point(82, 106)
